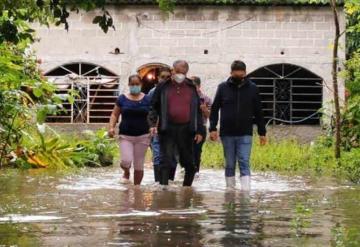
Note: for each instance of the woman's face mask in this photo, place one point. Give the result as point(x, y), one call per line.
point(179, 78)
point(135, 89)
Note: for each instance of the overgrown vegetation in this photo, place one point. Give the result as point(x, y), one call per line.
point(51, 150)
point(25, 100)
point(291, 157)
point(26, 97)
point(351, 112)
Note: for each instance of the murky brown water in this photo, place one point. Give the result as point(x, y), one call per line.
point(94, 209)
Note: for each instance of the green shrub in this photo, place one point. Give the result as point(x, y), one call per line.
point(101, 149)
point(350, 165)
point(351, 124)
point(213, 155)
point(285, 155)
point(51, 150)
point(291, 157)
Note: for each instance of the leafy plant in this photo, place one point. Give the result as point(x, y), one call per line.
point(343, 237)
point(351, 124)
point(302, 219)
point(291, 157)
point(102, 150)
point(23, 93)
point(352, 74)
point(44, 150)
point(352, 10)
point(350, 165)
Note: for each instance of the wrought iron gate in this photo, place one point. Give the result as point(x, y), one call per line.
point(289, 92)
point(96, 91)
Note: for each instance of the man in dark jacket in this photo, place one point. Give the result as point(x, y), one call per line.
point(239, 103)
point(176, 116)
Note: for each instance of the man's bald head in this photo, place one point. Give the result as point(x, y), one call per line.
point(181, 66)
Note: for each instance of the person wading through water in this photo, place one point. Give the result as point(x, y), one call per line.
point(164, 75)
point(238, 101)
point(133, 129)
point(176, 116)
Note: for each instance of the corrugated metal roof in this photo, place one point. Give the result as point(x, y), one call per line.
point(231, 2)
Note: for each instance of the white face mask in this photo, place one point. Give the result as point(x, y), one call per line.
point(179, 78)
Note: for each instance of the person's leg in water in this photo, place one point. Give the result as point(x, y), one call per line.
point(127, 154)
point(186, 154)
point(173, 167)
point(167, 149)
point(229, 146)
point(141, 144)
point(155, 147)
point(198, 151)
point(243, 151)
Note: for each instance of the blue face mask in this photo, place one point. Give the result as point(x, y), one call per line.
point(135, 89)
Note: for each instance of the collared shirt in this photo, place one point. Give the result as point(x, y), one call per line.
point(179, 103)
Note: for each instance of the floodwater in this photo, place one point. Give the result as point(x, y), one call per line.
point(92, 208)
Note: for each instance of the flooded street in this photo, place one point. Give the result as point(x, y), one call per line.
point(93, 208)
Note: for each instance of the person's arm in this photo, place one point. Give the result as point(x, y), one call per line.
point(153, 115)
point(259, 117)
point(200, 126)
point(214, 113)
point(113, 120)
point(207, 108)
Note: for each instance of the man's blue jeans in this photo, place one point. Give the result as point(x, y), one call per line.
point(237, 149)
point(155, 147)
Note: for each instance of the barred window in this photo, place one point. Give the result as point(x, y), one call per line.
point(96, 91)
point(289, 92)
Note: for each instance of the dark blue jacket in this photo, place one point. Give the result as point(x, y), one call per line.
point(239, 106)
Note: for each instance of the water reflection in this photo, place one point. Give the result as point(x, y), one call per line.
point(237, 220)
point(94, 209)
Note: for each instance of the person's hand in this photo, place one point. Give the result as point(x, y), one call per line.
point(263, 140)
point(153, 131)
point(198, 138)
point(111, 132)
point(214, 135)
point(203, 107)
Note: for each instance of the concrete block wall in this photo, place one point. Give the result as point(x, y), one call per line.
point(258, 35)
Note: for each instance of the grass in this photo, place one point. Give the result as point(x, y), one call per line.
point(290, 157)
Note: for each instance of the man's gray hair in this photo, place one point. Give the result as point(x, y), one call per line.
point(181, 62)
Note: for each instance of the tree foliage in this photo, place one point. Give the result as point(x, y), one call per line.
point(351, 112)
point(352, 10)
point(16, 16)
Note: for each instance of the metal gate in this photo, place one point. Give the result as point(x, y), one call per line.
point(96, 90)
point(289, 92)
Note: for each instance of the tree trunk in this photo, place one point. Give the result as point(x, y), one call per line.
point(335, 64)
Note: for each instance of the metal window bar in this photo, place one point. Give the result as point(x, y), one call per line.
point(304, 93)
point(92, 106)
